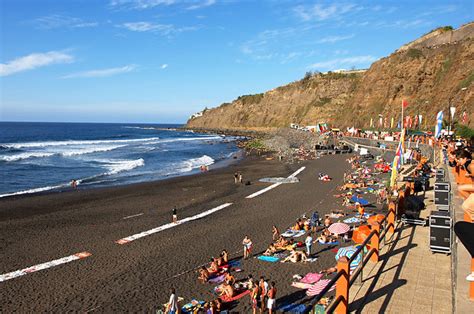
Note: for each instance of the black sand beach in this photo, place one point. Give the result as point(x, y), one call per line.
point(137, 276)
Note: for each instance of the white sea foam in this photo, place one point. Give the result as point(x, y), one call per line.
point(184, 139)
point(139, 127)
point(72, 142)
point(116, 166)
point(194, 163)
point(37, 190)
point(25, 156)
point(90, 150)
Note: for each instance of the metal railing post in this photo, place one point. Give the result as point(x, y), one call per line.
point(342, 286)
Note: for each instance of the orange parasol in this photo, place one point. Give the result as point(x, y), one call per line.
point(360, 234)
point(376, 218)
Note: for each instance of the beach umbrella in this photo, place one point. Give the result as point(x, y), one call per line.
point(360, 234)
point(339, 228)
point(376, 218)
point(348, 251)
point(318, 287)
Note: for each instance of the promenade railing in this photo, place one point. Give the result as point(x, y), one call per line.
point(343, 279)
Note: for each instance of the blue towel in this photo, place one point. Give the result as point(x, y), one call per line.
point(271, 259)
point(292, 308)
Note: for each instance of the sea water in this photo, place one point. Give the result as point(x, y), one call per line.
point(36, 157)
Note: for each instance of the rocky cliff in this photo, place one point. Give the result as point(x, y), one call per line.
point(430, 73)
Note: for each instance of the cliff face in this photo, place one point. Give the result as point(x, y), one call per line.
point(430, 73)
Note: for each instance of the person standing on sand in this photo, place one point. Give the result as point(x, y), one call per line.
point(247, 243)
point(172, 307)
point(175, 215)
point(74, 183)
point(240, 177)
point(263, 285)
point(309, 242)
point(236, 178)
point(271, 298)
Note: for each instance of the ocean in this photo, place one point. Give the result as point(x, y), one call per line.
point(37, 157)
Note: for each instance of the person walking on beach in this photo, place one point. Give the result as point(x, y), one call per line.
point(240, 177)
point(271, 298)
point(175, 215)
point(74, 183)
point(236, 178)
point(172, 307)
point(247, 243)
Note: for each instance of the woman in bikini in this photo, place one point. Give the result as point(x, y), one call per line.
point(213, 267)
point(296, 256)
point(275, 233)
point(224, 257)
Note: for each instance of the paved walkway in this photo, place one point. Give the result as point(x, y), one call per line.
point(408, 278)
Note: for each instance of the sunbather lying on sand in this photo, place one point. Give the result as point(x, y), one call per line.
point(296, 256)
point(281, 243)
point(213, 268)
point(227, 290)
point(203, 274)
point(229, 278)
point(270, 250)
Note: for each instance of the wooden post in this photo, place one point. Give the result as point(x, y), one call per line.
point(375, 242)
point(391, 217)
point(342, 286)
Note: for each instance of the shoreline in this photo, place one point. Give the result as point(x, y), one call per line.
point(236, 157)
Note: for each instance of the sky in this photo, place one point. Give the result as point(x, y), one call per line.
point(159, 61)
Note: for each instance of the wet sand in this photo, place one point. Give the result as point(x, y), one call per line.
point(137, 276)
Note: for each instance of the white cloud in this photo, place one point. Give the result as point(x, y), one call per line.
point(58, 21)
point(164, 66)
point(333, 39)
point(341, 62)
point(321, 12)
point(163, 29)
point(33, 61)
point(103, 72)
point(201, 4)
point(139, 4)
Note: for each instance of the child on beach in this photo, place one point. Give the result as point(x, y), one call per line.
point(175, 215)
point(247, 243)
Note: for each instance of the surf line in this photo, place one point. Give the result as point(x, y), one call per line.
point(128, 217)
point(32, 269)
point(268, 188)
point(171, 225)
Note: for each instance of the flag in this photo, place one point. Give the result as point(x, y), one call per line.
point(420, 118)
point(385, 124)
point(404, 103)
point(452, 110)
point(464, 117)
point(371, 122)
point(392, 122)
point(399, 124)
point(416, 121)
point(439, 124)
point(380, 120)
point(407, 120)
point(410, 122)
point(398, 159)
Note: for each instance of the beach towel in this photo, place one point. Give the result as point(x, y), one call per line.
point(238, 295)
point(328, 243)
point(271, 259)
point(311, 278)
point(359, 200)
point(352, 220)
point(318, 287)
point(293, 233)
point(217, 279)
point(281, 254)
point(192, 306)
point(233, 263)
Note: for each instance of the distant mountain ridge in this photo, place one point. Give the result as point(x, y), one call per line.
point(431, 73)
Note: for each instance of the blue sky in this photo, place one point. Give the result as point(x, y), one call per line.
point(158, 61)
